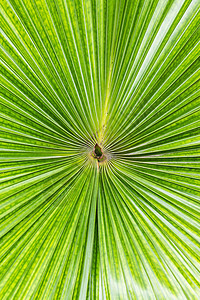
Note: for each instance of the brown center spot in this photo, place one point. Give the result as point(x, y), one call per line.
point(98, 153)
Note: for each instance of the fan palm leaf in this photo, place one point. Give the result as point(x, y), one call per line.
point(100, 149)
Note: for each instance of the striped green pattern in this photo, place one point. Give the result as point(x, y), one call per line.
point(124, 74)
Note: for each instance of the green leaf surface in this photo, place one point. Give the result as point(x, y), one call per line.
point(100, 149)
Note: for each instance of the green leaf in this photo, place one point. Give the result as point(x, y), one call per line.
point(100, 149)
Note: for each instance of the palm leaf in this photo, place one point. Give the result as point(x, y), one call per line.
point(100, 149)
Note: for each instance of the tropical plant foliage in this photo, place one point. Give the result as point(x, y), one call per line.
point(100, 149)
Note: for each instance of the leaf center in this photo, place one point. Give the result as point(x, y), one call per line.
point(98, 153)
